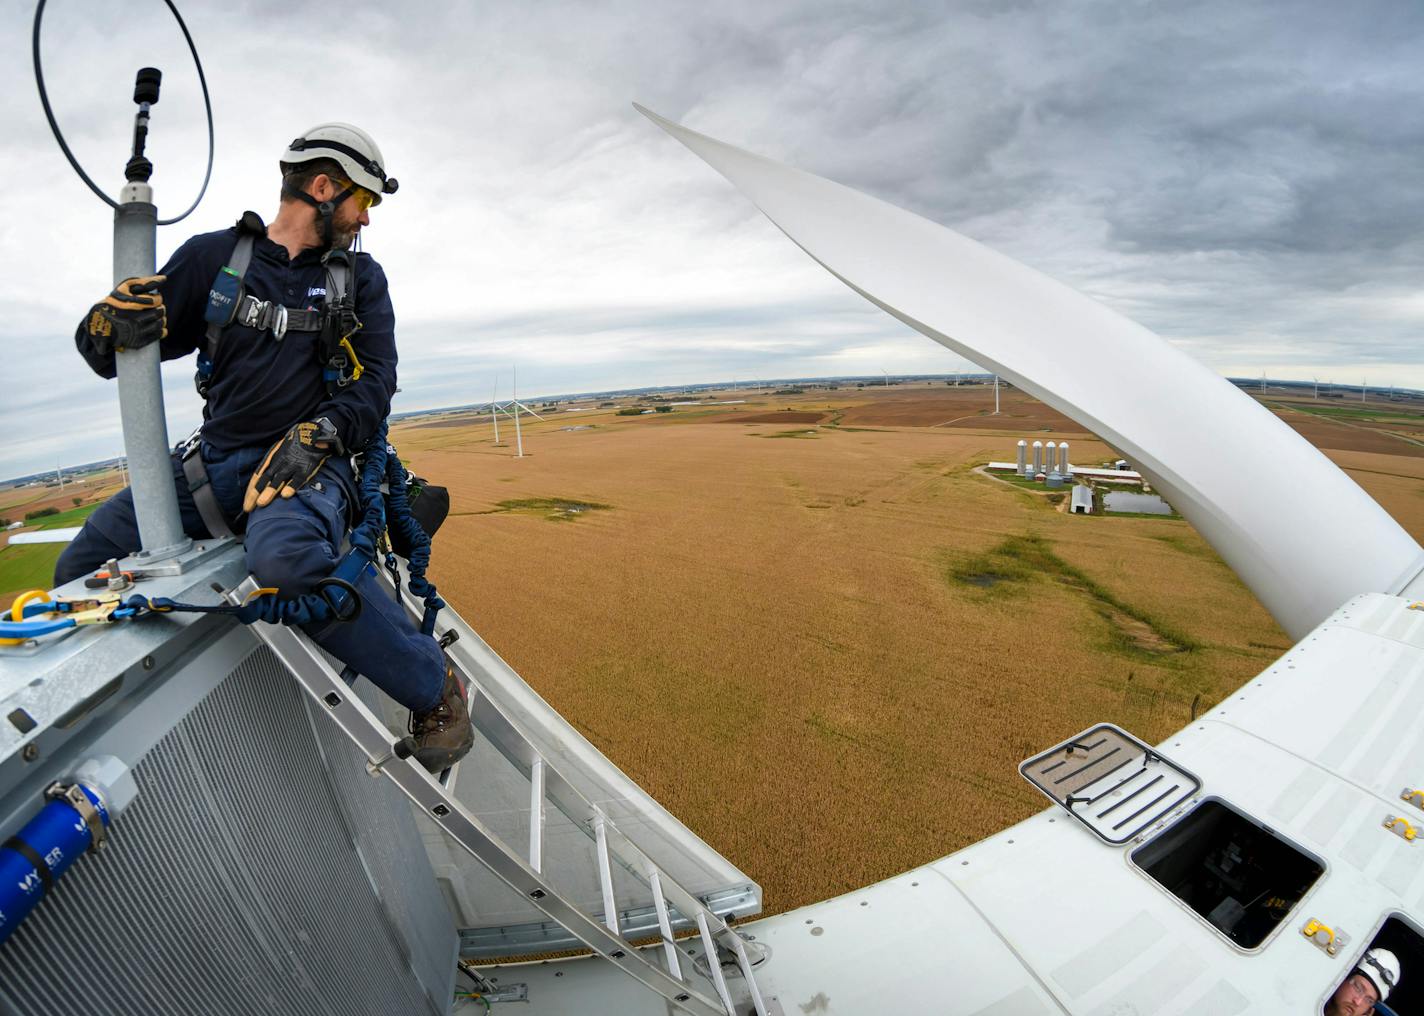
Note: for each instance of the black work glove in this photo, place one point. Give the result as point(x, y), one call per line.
point(130, 317)
point(291, 463)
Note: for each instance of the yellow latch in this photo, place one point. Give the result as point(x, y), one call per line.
point(1414, 797)
point(1401, 826)
point(1323, 936)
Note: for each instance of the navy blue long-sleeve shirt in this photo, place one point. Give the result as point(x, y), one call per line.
point(261, 387)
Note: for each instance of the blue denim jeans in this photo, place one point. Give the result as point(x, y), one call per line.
point(291, 544)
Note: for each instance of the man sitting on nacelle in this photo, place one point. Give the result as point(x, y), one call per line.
point(295, 338)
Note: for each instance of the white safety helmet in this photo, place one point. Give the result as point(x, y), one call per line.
point(1382, 968)
point(352, 148)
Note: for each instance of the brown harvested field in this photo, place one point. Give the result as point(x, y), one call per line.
point(969, 406)
point(1338, 434)
point(1384, 428)
point(785, 416)
point(847, 634)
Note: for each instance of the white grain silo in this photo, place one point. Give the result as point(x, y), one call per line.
point(1023, 457)
point(1037, 457)
point(1063, 466)
point(1050, 455)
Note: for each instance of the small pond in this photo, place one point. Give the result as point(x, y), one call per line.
point(1126, 501)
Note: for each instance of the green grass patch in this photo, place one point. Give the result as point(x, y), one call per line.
point(552, 509)
point(73, 517)
point(1191, 548)
point(1354, 413)
point(1019, 560)
point(26, 566)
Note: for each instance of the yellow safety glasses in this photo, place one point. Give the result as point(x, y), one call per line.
point(364, 199)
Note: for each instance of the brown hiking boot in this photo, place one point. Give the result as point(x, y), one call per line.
point(443, 735)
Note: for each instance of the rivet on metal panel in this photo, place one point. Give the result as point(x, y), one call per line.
point(30, 752)
point(1326, 938)
point(440, 811)
point(1401, 826)
point(148, 663)
point(1414, 797)
point(536, 894)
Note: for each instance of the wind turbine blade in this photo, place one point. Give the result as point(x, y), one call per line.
point(47, 535)
point(1298, 531)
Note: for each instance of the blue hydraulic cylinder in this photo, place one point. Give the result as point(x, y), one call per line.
point(32, 860)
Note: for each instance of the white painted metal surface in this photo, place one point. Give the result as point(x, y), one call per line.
point(1189, 431)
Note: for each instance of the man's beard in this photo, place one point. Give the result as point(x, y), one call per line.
point(343, 237)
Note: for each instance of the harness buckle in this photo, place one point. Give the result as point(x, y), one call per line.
point(189, 444)
point(263, 315)
point(250, 312)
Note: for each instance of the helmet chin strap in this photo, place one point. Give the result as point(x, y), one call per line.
point(324, 210)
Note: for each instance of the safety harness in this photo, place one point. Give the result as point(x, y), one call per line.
point(384, 506)
point(335, 322)
point(230, 304)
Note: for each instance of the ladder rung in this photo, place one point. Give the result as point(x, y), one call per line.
point(605, 873)
point(655, 883)
point(714, 963)
point(536, 815)
point(739, 947)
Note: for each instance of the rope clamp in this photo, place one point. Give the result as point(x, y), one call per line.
point(74, 796)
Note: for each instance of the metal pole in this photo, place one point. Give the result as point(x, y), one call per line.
point(494, 410)
point(996, 395)
point(140, 383)
point(518, 435)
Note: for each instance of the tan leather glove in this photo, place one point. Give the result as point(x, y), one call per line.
point(292, 463)
point(130, 317)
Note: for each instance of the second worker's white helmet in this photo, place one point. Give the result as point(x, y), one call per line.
point(1382, 968)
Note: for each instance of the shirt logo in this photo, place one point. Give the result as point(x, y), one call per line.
point(316, 291)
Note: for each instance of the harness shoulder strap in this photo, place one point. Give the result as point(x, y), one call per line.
point(249, 228)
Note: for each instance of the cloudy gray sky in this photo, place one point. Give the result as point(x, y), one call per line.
point(1244, 178)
